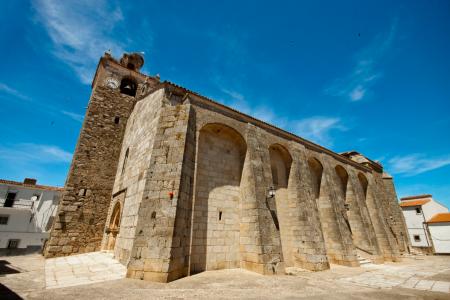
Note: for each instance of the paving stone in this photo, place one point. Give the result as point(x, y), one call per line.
point(424, 285)
point(441, 286)
point(384, 276)
point(79, 270)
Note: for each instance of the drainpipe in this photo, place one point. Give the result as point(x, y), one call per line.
point(425, 229)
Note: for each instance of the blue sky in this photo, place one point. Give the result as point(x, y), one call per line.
point(372, 77)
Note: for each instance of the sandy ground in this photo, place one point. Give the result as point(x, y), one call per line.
point(425, 278)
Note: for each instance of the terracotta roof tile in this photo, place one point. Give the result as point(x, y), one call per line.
point(31, 186)
point(440, 218)
point(414, 203)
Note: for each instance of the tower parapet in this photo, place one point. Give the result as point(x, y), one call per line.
point(132, 61)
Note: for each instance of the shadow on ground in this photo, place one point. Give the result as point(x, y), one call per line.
point(7, 294)
point(5, 268)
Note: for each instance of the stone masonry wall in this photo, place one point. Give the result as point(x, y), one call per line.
point(340, 249)
point(398, 220)
point(193, 178)
point(131, 176)
point(280, 165)
point(366, 239)
point(383, 201)
point(157, 252)
point(260, 239)
point(215, 241)
point(374, 199)
point(82, 212)
point(307, 247)
point(182, 237)
point(352, 215)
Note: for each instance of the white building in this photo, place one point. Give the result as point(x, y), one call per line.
point(26, 214)
point(418, 210)
point(439, 229)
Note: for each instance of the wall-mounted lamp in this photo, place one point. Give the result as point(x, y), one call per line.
point(271, 192)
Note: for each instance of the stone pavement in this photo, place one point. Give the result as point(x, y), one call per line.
point(82, 269)
point(23, 277)
point(410, 277)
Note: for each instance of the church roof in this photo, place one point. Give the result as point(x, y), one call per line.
point(269, 126)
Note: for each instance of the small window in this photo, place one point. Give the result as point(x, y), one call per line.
point(116, 120)
point(220, 215)
point(125, 160)
point(4, 220)
point(418, 210)
point(416, 238)
point(13, 244)
point(10, 198)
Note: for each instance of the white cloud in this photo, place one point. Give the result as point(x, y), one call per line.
point(318, 129)
point(54, 153)
point(80, 31)
point(413, 164)
point(358, 93)
point(73, 116)
point(13, 92)
point(34, 153)
point(233, 94)
point(357, 84)
point(237, 101)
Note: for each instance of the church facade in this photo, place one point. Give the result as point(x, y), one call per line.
point(175, 183)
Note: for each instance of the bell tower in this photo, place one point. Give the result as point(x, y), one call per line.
point(83, 209)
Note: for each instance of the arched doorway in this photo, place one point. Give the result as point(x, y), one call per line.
point(114, 226)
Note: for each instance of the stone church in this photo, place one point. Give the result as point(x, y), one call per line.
point(174, 183)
